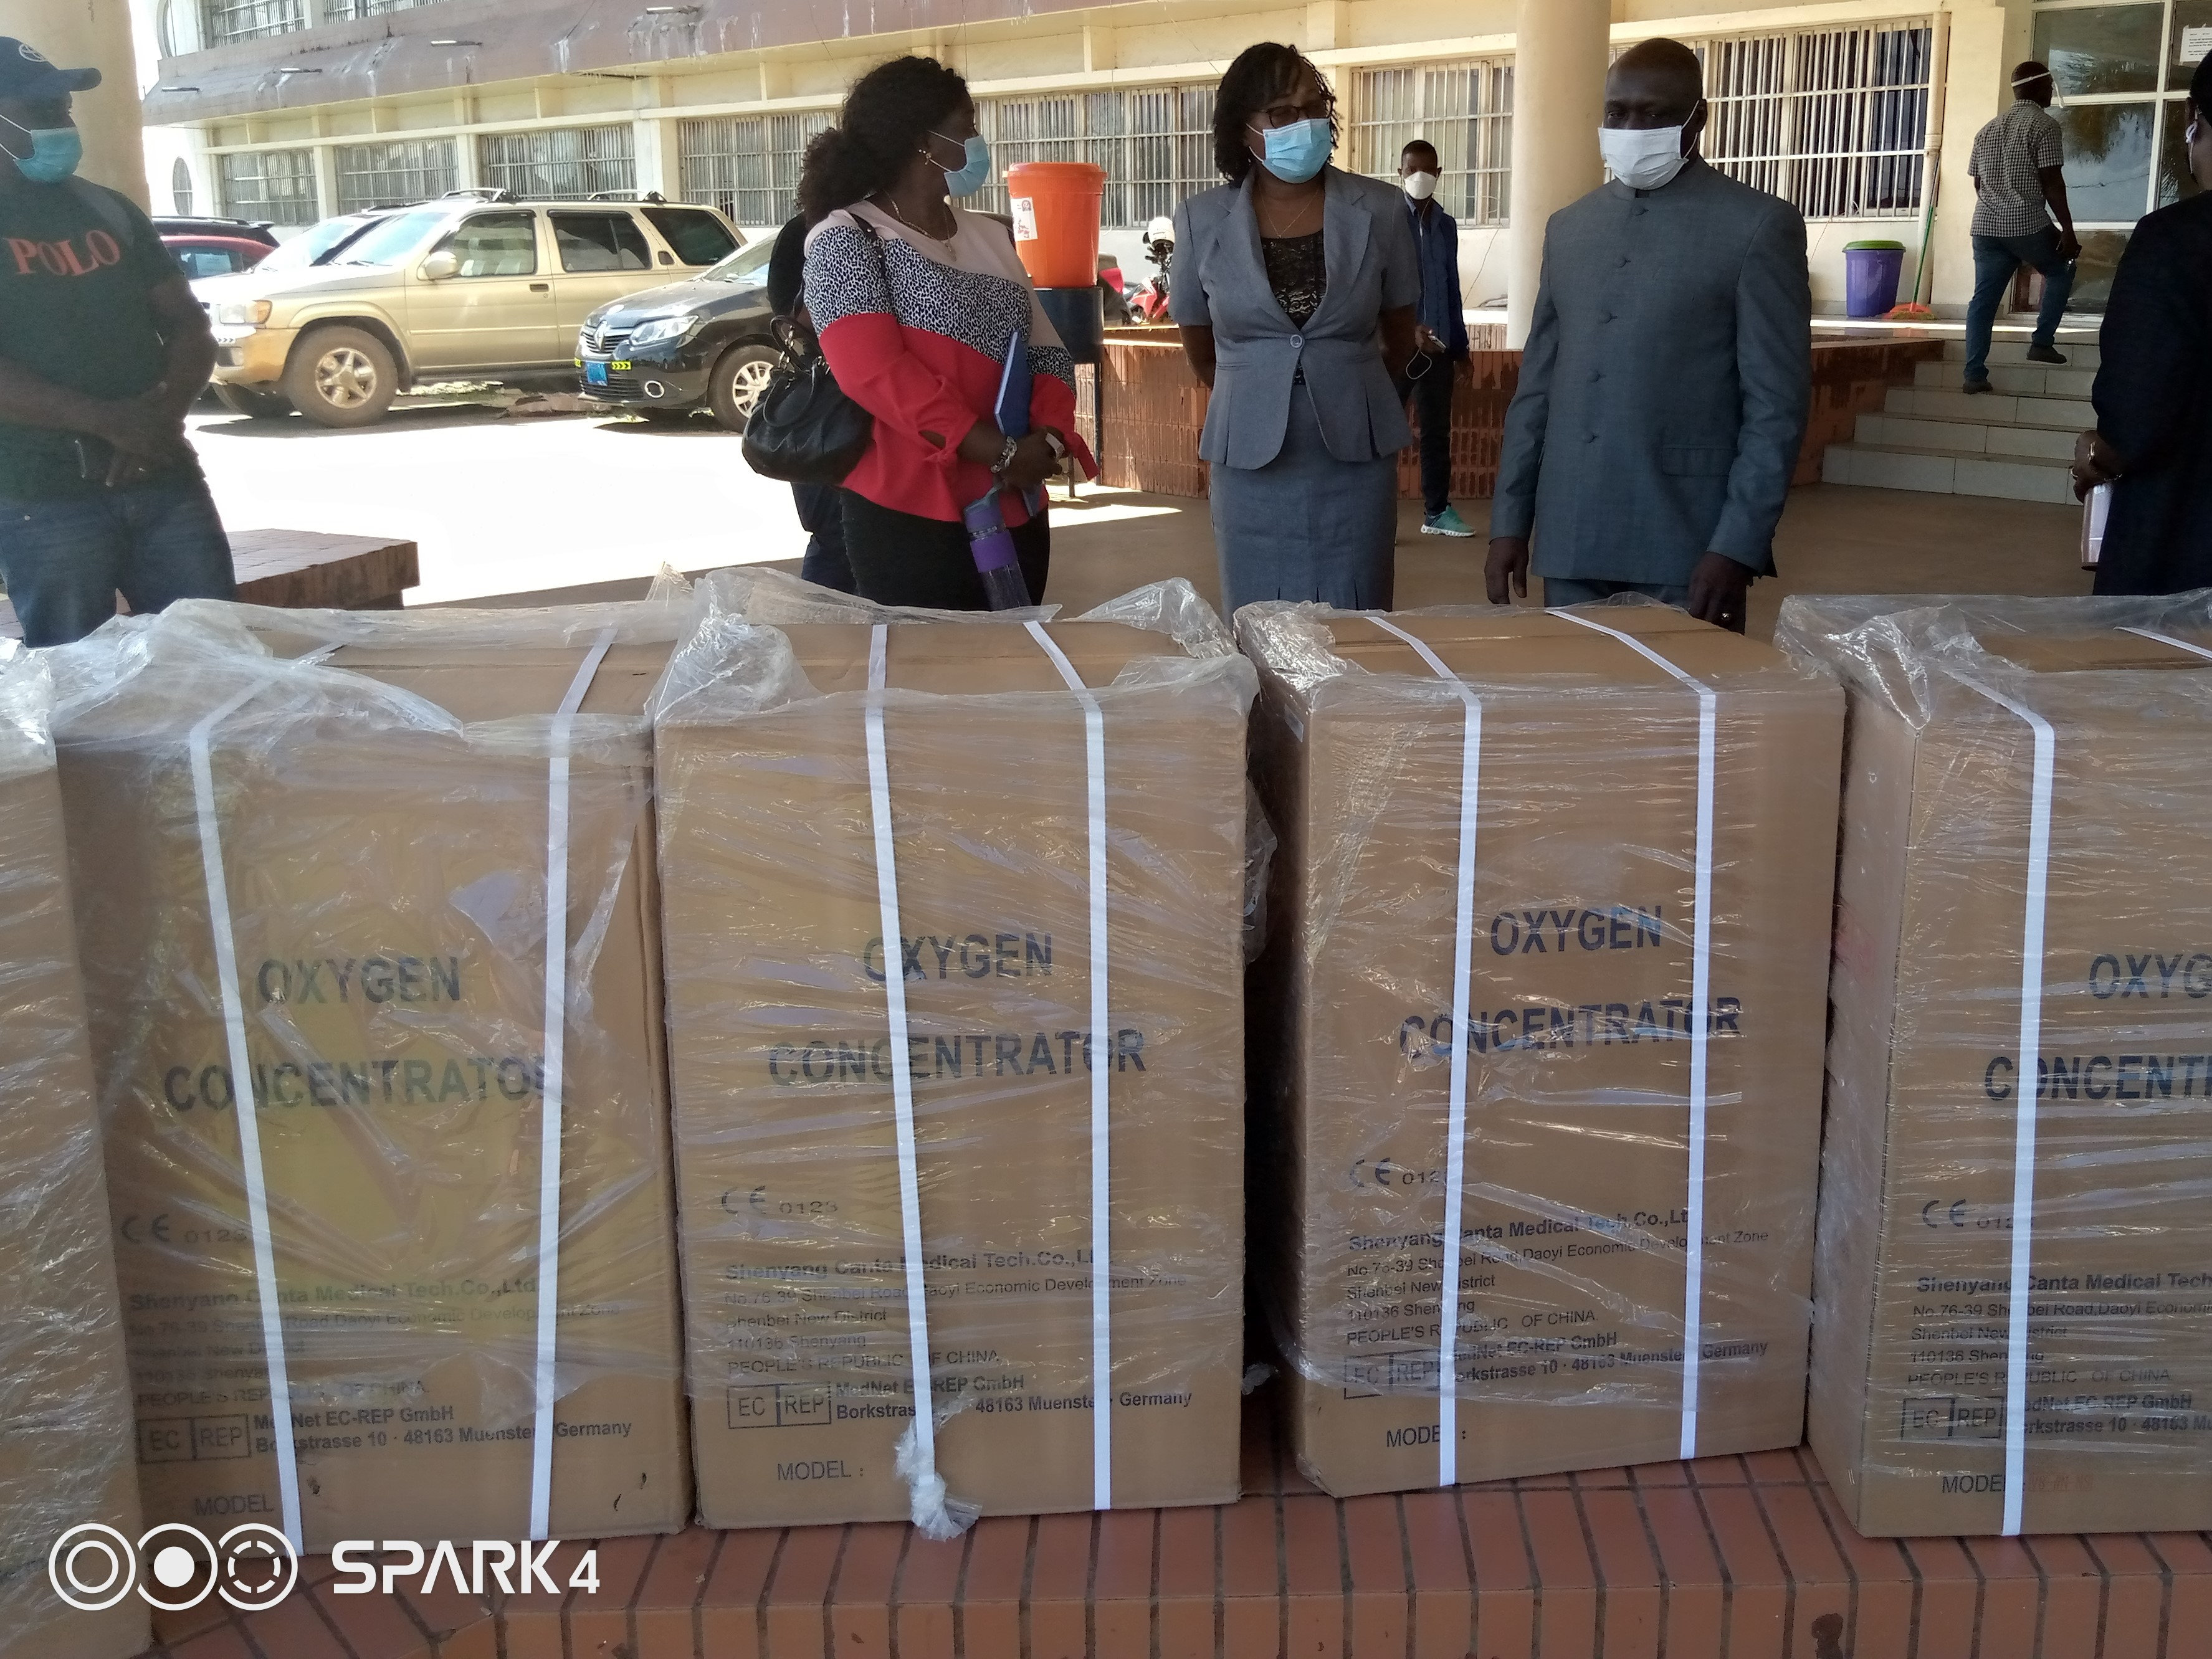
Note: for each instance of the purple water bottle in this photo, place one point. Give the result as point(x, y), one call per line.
point(996, 561)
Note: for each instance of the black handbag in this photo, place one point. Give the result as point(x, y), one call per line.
point(805, 430)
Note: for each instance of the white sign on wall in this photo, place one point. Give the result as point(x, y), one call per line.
point(2196, 43)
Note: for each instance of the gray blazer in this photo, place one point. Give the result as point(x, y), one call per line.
point(1220, 282)
point(1666, 384)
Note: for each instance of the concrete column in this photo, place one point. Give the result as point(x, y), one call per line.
point(653, 143)
point(1558, 100)
point(1977, 83)
point(324, 158)
point(92, 34)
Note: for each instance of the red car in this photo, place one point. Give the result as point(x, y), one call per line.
point(215, 256)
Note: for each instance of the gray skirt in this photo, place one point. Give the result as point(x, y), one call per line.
point(1306, 525)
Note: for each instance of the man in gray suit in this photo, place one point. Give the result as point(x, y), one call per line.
point(1668, 372)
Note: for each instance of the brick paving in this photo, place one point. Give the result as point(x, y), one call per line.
point(1746, 1557)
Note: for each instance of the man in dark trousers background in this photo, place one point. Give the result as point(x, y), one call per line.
point(2020, 187)
point(1440, 332)
point(102, 349)
point(1668, 372)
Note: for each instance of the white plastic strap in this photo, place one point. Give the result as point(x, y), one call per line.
point(1701, 964)
point(2165, 639)
point(556, 1045)
point(1450, 1292)
point(2024, 1091)
point(918, 1457)
point(199, 746)
point(1102, 1047)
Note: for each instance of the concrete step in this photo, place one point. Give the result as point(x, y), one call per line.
point(1991, 407)
point(2079, 353)
point(2013, 478)
point(1966, 438)
point(2021, 379)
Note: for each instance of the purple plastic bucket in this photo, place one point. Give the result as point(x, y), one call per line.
point(1871, 271)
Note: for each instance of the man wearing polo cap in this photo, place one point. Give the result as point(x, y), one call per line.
point(102, 349)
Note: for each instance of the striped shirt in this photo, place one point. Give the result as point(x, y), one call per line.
point(2009, 155)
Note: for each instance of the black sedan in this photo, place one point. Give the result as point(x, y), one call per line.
point(705, 342)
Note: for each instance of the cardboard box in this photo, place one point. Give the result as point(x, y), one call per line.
point(1577, 910)
point(1944, 1401)
point(385, 821)
point(787, 1076)
point(64, 1396)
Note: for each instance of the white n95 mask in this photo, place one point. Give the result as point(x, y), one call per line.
point(1419, 185)
point(1644, 158)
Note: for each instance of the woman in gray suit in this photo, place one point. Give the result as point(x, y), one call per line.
point(1295, 286)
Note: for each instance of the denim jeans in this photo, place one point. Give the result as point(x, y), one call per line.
point(65, 559)
point(1996, 259)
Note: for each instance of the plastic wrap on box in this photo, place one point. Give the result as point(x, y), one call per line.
point(65, 1431)
point(2013, 1330)
point(962, 1215)
point(316, 854)
point(1548, 945)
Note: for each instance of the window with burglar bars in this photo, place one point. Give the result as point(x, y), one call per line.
point(395, 174)
point(1155, 142)
point(565, 164)
point(225, 20)
point(275, 184)
point(1833, 120)
point(746, 165)
point(1465, 109)
point(336, 9)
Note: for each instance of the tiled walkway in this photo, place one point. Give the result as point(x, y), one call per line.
point(1745, 1557)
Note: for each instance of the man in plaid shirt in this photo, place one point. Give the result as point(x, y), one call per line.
point(2020, 187)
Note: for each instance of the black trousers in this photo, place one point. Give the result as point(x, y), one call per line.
point(1433, 401)
point(900, 559)
point(821, 515)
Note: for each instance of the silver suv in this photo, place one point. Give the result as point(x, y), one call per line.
point(470, 287)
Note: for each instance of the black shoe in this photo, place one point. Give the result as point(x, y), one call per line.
point(1976, 388)
point(2039, 353)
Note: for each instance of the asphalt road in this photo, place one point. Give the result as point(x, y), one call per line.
point(502, 504)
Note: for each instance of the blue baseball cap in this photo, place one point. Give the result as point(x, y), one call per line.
point(25, 73)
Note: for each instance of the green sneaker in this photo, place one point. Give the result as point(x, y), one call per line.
point(1446, 523)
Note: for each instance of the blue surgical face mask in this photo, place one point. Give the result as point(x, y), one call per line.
point(967, 179)
point(1298, 151)
point(55, 153)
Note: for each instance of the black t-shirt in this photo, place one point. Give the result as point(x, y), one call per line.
point(78, 266)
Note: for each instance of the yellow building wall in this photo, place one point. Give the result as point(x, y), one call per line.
point(1166, 40)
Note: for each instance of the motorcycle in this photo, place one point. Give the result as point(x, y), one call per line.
point(1150, 301)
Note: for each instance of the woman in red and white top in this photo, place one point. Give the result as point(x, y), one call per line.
point(916, 301)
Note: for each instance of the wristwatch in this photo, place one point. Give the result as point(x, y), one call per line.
point(1005, 455)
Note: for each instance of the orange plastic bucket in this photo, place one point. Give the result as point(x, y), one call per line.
point(1056, 206)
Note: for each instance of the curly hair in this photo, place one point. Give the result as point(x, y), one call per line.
point(1260, 74)
point(888, 112)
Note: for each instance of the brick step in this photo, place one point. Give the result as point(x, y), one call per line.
point(1992, 408)
point(1936, 472)
point(2021, 379)
point(2079, 353)
point(1749, 1555)
point(1966, 438)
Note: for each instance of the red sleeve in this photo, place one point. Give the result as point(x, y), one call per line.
point(868, 356)
point(1052, 404)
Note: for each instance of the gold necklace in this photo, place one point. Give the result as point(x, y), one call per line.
point(1288, 231)
point(891, 203)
